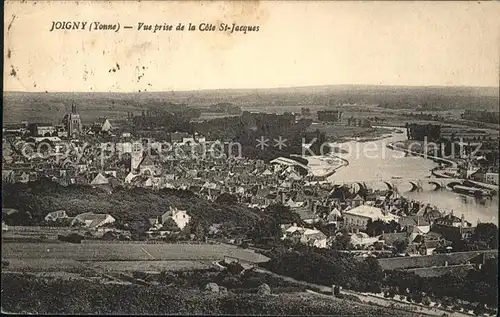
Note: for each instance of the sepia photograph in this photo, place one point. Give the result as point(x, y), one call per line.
point(330, 158)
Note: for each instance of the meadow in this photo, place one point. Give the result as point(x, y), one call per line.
point(125, 252)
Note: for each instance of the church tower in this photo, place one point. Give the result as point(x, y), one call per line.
point(72, 122)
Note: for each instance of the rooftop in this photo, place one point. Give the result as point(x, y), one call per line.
point(371, 212)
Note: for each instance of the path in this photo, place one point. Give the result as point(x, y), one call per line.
point(367, 298)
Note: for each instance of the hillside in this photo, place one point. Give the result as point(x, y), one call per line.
point(126, 205)
point(86, 297)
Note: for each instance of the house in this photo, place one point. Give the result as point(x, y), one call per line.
point(426, 244)
point(41, 129)
point(154, 223)
point(333, 215)
point(357, 201)
point(215, 228)
point(55, 215)
point(362, 240)
point(452, 221)
point(358, 217)
point(267, 173)
point(292, 204)
point(414, 225)
point(99, 180)
point(101, 125)
point(180, 217)
point(306, 215)
point(427, 247)
point(8, 176)
point(178, 137)
point(314, 237)
point(24, 178)
point(147, 166)
point(92, 221)
point(293, 177)
point(452, 227)
point(429, 213)
point(130, 176)
point(491, 178)
point(293, 233)
point(390, 238)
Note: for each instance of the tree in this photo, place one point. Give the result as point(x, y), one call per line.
point(377, 227)
point(226, 198)
point(400, 246)
point(370, 274)
point(170, 225)
point(234, 268)
point(342, 241)
point(487, 233)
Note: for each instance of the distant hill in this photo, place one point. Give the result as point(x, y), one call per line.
point(41, 106)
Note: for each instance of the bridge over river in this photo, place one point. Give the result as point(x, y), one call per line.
point(394, 184)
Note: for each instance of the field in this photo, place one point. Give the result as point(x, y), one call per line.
point(340, 131)
point(119, 256)
point(51, 107)
point(124, 251)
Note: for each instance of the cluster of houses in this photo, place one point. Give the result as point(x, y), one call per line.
point(99, 224)
point(422, 231)
point(256, 184)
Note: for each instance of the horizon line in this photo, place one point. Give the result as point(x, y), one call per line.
point(252, 89)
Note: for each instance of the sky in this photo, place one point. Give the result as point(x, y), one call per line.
point(298, 43)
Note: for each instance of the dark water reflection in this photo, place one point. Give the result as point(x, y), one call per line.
point(372, 162)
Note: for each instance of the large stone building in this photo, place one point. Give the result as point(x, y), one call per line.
point(329, 115)
point(72, 122)
point(41, 129)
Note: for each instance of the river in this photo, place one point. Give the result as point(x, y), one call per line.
point(372, 162)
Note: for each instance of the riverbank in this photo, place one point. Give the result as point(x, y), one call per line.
point(323, 166)
point(341, 132)
point(395, 146)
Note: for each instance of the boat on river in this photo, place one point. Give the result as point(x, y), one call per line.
point(471, 191)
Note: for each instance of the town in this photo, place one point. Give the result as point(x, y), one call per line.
point(231, 158)
point(261, 201)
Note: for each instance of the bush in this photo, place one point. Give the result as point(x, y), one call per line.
point(139, 275)
point(166, 277)
point(231, 281)
point(264, 289)
point(212, 287)
point(253, 282)
point(234, 268)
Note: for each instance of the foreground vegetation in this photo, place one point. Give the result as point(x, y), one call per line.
point(327, 267)
point(27, 294)
point(478, 287)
